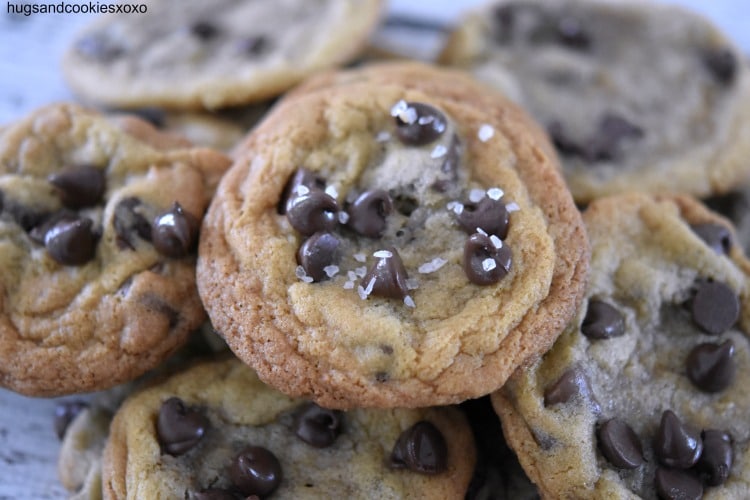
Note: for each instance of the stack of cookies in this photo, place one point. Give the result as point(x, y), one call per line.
point(346, 291)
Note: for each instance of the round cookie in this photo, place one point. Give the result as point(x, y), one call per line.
point(392, 244)
point(635, 96)
point(645, 394)
point(99, 220)
point(192, 54)
point(217, 430)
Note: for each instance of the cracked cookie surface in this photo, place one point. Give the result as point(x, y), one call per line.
point(216, 430)
point(398, 237)
point(635, 97)
point(193, 54)
point(98, 227)
point(645, 393)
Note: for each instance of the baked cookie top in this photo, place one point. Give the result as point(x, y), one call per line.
point(192, 54)
point(99, 221)
point(399, 237)
point(635, 96)
point(645, 395)
point(216, 431)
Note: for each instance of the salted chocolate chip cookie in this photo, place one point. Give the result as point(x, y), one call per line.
point(398, 240)
point(191, 54)
point(216, 431)
point(99, 222)
point(645, 394)
point(634, 96)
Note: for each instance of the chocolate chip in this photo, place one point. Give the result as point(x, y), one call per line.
point(571, 384)
point(716, 236)
point(252, 45)
point(160, 306)
point(487, 214)
point(39, 231)
point(300, 177)
point(255, 471)
point(722, 63)
point(672, 484)
point(564, 144)
point(711, 367)
point(676, 444)
point(316, 253)
point(99, 47)
point(571, 33)
point(65, 413)
point(316, 426)
point(715, 307)
point(129, 223)
point(26, 217)
point(71, 242)
point(420, 448)
point(620, 445)
point(418, 124)
point(179, 428)
point(79, 187)
point(204, 30)
point(602, 321)
point(174, 233)
point(605, 143)
point(504, 16)
point(368, 213)
point(484, 262)
point(311, 211)
point(716, 460)
point(388, 277)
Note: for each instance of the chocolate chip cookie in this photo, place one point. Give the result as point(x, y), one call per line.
point(645, 395)
point(99, 223)
point(191, 54)
point(216, 431)
point(634, 97)
point(400, 237)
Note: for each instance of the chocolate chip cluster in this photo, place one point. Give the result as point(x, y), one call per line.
point(688, 459)
point(257, 471)
point(70, 237)
point(312, 209)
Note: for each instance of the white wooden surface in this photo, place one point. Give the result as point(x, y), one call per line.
point(30, 49)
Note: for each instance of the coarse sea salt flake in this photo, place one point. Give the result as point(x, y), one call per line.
point(351, 276)
point(408, 116)
point(362, 293)
point(370, 286)
point(412, 283)
point(486, 132)
point(455, 207)
point(301, 189)
point(496, 242)
point(432, 266)
point(482, 231)
point(488, 265)
point(331, 271)
point(383, 136)
point(360, 257)
point(348, 285)
point(439, 151)
point(343, 217)
point(495, 193)
point(360, 271)
point(301, 274)
point(332, 191)
point(382, 254)
point(409, 302)
point(476, 195)
point(512, 207)
point(399, 108)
